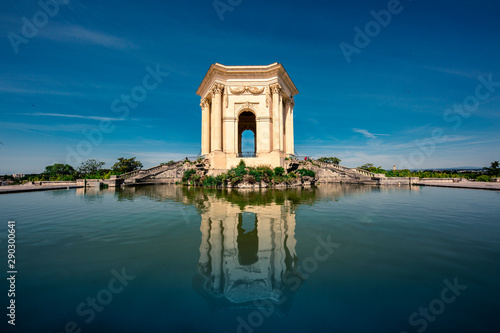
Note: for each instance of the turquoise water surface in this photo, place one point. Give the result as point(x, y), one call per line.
point(328, 259)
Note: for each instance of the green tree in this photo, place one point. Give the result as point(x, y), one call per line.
point(494, 169)
point(90, 167)
point(372, 168)
point(125, 165)
point(330, 160)
point(58, 169)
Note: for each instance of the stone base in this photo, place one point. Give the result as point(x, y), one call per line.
point(225, 161)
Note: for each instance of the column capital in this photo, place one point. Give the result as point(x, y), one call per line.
point(276, 88)
point(217, 88)
point(205, 103)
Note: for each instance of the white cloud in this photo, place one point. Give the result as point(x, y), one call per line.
point(72, 116)
point(74, 33)
point(368, 134)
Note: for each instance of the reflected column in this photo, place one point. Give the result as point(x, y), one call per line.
point(204, 246)
point(216, 254)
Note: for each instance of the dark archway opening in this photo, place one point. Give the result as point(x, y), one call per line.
point(248, 241)
point(247, 122)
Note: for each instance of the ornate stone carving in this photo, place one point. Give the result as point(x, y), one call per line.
point(255, 90)
point(245, 105)
point(205, 103)
point(217, 89)
point(289, 102)
point(242, 89)
point(237, 90)
point(276, 88)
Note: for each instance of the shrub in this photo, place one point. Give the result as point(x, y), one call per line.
point(220, 180)
point(306, 172)
point(251, 179)
point(255, 174)
point(483, 178)
point(187, 175)
point(279, 171)
point(209, 181)
point(265, 170)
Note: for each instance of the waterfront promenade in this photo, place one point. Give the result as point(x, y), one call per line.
point(31, 188)
point(464, 185)
point(467, 185)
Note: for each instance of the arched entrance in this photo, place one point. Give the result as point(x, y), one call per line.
point(247, 122)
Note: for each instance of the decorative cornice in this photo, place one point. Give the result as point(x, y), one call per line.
point(242, 89)
point(221, 73)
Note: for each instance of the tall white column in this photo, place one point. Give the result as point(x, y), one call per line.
point(230, 127)
point(263, 136)
point(282, 124)
point(276, 90)
point(290, 150)
point(205, 126)
point(217, 117)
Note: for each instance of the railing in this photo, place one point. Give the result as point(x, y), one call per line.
point(346, 169)
point(193, 158)
point(153, 170)
point(247, 154)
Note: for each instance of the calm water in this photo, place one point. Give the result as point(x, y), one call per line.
point(331, 259)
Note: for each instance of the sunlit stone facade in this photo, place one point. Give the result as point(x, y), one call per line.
point(239, 98)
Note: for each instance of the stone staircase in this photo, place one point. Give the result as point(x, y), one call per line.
point(355, 175)
point(139, 176)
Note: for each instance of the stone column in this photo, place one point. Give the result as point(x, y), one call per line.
point(282, 111)
point(276, 90)
point(205, 126)
point(230, 127)
point(263, 140)
point(290, 149)
point(217, 117)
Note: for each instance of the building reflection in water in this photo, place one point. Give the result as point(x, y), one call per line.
point(245, 253)
point(248, 245)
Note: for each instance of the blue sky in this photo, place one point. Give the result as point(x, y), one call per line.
point(415, 93)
